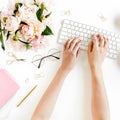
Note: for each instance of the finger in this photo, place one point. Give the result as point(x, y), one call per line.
point(95, 42)
point(65, 45)
point(78, 52)
point(106, 43)
point(101, 40)
point(68, 43)
point(90, 46)
point(77, 46)
point(73, 43)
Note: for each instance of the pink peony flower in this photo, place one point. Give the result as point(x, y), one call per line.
point(27, 31)
point(39, 28)
point(36, 41)
point(12, 23)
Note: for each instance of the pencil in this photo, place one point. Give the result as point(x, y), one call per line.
point(26, 96)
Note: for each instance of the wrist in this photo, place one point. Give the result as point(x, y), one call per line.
point(63, 70)
point(96, 70)
point(96, 73)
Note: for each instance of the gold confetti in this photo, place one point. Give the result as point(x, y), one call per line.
point(102, 17)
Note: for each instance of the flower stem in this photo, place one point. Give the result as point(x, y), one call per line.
point(1, 34)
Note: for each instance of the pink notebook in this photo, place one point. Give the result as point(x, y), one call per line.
point(8, 87)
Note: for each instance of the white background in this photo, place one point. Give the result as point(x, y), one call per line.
point(74, 100)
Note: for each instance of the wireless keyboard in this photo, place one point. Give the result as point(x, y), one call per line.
point(72, 29)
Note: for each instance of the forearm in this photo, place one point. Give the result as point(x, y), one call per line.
point(47, 103)
point(100, 108)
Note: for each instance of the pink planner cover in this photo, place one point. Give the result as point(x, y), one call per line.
point(8, 87)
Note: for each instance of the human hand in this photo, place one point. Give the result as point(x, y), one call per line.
point(70, 54)
point(97, 50)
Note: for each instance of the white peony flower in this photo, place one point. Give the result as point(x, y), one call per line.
point(27, 12)
point(12, 23)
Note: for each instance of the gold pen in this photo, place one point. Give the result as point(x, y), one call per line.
point(26, 96)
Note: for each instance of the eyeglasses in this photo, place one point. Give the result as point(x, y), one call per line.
point(53, 55)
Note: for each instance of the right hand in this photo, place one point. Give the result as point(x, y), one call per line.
point(97, 50)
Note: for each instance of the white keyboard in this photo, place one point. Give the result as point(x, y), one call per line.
point(72, 29)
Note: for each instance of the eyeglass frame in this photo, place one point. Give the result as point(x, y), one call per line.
point(47, 56)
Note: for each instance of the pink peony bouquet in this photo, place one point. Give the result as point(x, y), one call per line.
point(25, 23)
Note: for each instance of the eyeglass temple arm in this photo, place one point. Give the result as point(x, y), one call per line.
point(40, 63)
point(46, 57)
point(51, 55)
point(55, 57)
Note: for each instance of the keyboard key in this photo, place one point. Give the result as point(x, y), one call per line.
point(118, 40)
point(96, 30)
point(88, 31)
point(83, 26)
point(88, 27)
point(72, 27)
point(80, 29)
point(76, 28)
point(91, 28)
point(84, 30)
point(113, 39)
point(68, 26)
point(72, 23)
point(76, 24)
point(81, 34)
point(77, 33)
point(80, 25)
point(85, 35)
point(73, 32)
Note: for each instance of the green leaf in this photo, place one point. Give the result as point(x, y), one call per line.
point(20, 4)
point(1, 36)
point(2, 30)
point(47, 31)
point(48, 15)
point(5, 19)
point(39, 14)
point(8, 34)
point(35, 3)
point(28, 46)
point(43, 7)
point(15, 12)
point(17, 5)
point(2, 43)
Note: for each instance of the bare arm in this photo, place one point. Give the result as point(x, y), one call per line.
point(96, 55)
point(47, 103)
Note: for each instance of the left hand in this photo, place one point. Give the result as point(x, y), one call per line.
point(70, 54)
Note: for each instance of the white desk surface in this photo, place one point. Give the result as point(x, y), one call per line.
point(74, 100)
